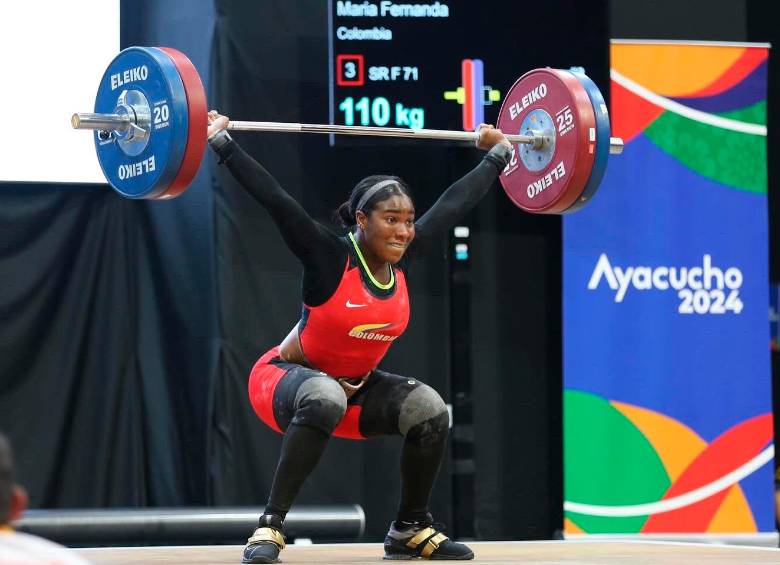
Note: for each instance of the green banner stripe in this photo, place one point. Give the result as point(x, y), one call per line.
point(755, 114)
point(735, 159)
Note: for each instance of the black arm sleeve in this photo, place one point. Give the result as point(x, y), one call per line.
point(463, 194)
point(303, 235)
point(321, 251)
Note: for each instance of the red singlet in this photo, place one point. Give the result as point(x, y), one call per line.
point(348, 335)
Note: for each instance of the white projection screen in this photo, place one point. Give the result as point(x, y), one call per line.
point(53, 55)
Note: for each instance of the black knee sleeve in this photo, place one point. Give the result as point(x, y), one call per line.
point(424, 418)
point(320, 403)
point(431, 431)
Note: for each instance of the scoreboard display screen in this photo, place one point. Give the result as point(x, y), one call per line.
point(437, 65)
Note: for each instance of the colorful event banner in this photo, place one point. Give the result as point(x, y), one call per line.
point(667, 406)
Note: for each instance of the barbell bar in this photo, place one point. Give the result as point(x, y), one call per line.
point(150, 131)
point(116, 122)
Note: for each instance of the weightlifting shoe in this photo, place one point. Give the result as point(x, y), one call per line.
point(422, 539)
point(266, 542)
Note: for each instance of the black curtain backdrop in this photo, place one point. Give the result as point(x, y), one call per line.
point(102, 387)
point(128, 329)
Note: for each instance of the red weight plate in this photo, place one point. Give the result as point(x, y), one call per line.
point(550, 179)
point(198, 123)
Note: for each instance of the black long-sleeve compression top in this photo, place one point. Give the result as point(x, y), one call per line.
point(322, 252)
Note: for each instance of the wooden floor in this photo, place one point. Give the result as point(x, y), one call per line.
point(487, 553)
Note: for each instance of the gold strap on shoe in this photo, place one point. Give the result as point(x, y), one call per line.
point(432, 540)
point(267, 535)
point(433, 544)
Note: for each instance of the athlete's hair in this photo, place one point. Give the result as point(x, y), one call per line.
point(376, 188)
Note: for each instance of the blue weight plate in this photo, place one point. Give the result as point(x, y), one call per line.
point(152, 74)
point(602, 142)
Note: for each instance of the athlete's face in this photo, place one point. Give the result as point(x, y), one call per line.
point(389, 228)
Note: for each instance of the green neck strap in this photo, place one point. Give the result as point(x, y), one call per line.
point(368, 271)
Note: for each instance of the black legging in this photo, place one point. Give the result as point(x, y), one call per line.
point(308, 407)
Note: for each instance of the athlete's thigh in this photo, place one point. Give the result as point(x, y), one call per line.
point(386, 401)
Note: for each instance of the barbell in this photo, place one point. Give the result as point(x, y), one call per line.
point(150, 123)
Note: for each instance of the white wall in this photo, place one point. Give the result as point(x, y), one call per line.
point(52, 56)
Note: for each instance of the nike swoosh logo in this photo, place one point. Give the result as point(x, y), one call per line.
point(350, 305)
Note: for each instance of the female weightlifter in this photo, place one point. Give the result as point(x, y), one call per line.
point(322, 380)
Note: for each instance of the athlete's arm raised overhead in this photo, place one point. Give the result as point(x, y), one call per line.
point(467, 191)
point(305, 237)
